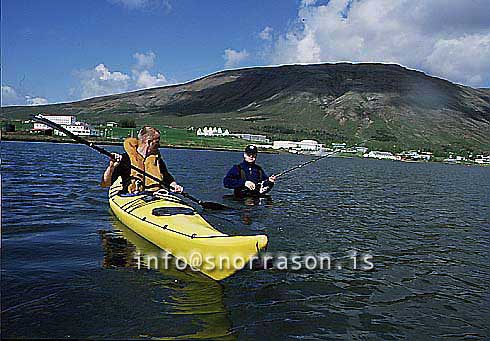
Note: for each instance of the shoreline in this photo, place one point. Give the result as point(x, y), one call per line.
point(51, 139)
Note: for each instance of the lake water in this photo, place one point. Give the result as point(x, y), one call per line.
point(68, 266)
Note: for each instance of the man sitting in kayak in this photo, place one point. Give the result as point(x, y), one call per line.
point(144, 154)
point(248, 178)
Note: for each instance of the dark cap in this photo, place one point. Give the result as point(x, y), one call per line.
point(251, 150)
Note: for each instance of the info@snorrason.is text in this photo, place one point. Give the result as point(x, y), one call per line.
point(353, 260)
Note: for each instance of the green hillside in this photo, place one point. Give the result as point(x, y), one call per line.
point(381, 106)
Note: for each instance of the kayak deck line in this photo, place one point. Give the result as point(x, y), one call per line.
point(139, 202)
point(130, 204)
point(135, 207)
point(165, 227)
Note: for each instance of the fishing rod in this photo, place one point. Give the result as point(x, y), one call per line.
point(204, 204)
point(265, 186)
point(303, 164)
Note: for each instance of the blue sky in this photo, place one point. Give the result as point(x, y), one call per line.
point(57, 51)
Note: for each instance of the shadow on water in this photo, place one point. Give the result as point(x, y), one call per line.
point(195, 298)
point(245, 212)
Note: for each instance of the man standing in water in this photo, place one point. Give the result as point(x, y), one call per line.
point(144, 154)
point(248, 178)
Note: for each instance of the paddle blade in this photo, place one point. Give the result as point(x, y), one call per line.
point(214, 206)
point(206, 204)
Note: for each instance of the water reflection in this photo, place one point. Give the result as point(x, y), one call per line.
point(197, 299)
point(248, 206)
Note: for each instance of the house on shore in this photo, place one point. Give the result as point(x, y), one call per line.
point(68, 122)
point(252, 137)
point(212, 131)
point(415, 155)
point(380, 155)
point(308, 146)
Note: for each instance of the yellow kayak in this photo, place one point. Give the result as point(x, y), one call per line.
point(178, 229)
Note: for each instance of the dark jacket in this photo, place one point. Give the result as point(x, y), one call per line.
point(123, 170)
point(238, 174)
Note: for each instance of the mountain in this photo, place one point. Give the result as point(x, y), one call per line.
point(377, 105)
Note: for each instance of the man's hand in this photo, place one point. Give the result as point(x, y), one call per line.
point(115, 160)
point(176, 187)
point(250, 185)
point(113, 163)
point(272, 178)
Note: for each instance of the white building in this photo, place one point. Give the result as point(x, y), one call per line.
point(78, 128)
point(381, 155)
point(112, 124)
point(218, 131)
point(212, 131)
point(338, 145)
point(302, 146)
point(416, 156)
point(61, 120)
point(284, 145)
point(309, 145)
point(68, 122)
point(361, 149)
point(483, 160)
point(451, 159)
point(252, 137)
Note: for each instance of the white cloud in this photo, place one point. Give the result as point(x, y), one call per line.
point(100, 81)
point(308, 2)
point(266, 33)
point(146, 80)
point(144, 60)
point(141, 75)
point(450, 58)
point(142, 4)
point(104, 74)
point(35, 100)
point(234, 58)
point(444, 38)
point(132, 3)
point(10, 96)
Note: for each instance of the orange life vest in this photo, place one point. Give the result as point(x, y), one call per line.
point(150, 164)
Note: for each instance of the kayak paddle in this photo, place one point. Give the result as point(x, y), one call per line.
point(204, 204)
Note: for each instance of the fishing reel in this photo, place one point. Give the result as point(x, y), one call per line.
point(264, 187)
point(261, 189)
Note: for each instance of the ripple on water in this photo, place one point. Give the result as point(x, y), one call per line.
point(426, 226)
